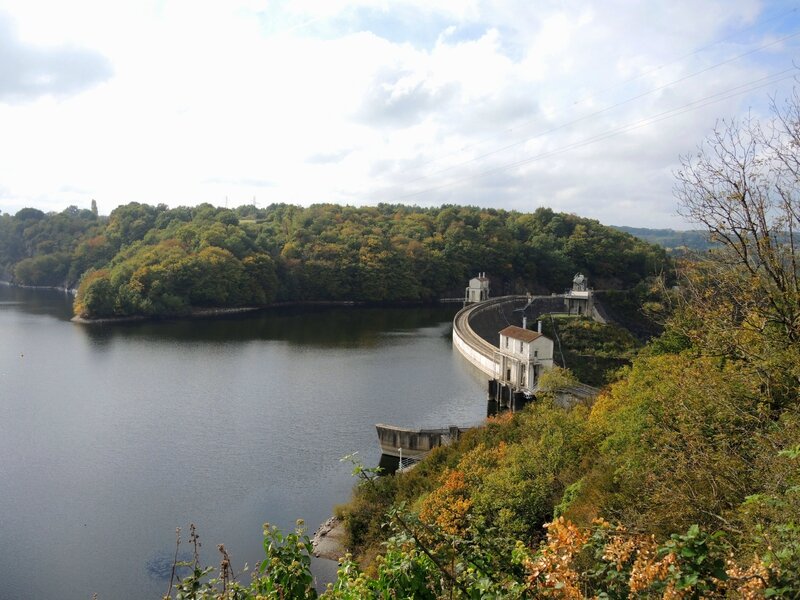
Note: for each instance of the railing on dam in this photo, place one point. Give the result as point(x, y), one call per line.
point(473, 347)
point(481, 353)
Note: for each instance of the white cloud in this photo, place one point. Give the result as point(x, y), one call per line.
point(487, 102)
point(28, 72)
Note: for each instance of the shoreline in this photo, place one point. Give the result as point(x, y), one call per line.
point(208, 313)
point(195, 313)
point(55, 288)
point(220, 311)
point(328, 540)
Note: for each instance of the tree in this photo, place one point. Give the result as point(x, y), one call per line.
point(96, 296)
point(742, 300)
point(743, 185)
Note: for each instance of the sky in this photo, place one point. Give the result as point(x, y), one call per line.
point(582, 106)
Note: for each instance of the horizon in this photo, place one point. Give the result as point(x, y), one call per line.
point(233, 208)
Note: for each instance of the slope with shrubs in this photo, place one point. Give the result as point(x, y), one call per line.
point(681, 481)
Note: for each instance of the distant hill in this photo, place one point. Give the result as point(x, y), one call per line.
point(675, 242)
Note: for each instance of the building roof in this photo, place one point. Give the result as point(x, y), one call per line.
point(518, 333)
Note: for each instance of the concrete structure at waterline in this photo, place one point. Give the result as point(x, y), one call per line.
point(413, 443)
point(579, 300)
point(477, 290)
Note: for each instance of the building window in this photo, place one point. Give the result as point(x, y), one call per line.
point(520, 346)
point(506, 342)
point(535, 353)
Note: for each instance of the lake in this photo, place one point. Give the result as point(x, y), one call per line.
point(111, 436)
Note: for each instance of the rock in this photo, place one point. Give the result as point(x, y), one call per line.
point(328, 540)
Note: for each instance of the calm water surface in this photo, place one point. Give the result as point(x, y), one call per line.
point(113, 435)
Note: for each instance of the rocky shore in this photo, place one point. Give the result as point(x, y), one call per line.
point(328, 540)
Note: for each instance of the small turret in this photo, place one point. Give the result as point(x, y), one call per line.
point(478, 289)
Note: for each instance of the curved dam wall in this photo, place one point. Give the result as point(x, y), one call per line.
point(469, 343)
point(492, 316)
point(476, 336)
point(476, 327)
point(484, 362)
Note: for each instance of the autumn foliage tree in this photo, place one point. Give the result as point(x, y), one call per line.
point(324, 252)
point(743, 300)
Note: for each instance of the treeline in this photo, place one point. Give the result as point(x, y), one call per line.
point(152, 260)
point(47, 249)
point(675, 242)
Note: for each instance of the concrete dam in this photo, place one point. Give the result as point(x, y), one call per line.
point(477, 333)
point(476, 327)
point(481, 334)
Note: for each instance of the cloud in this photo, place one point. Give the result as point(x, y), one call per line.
point(28, 72)
point(402, 97)
point(249, 182)
point(73, 189)
point(498, 103)
point(557, 122)
point(324, 158)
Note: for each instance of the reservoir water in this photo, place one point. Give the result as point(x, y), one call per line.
point(111, 436)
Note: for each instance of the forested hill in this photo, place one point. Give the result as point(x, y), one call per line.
point(673, 241)
point(152, 260)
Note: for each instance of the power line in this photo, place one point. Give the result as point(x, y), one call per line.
point(606, 109)
point(639, 76)
point(707, 100)
point(614, 132)
point(689, 54)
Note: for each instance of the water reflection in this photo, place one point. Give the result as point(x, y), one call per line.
point(113, 435)
point(160, 565)
point(317, 327)
point(53, 303)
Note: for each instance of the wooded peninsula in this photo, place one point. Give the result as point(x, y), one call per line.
point(156, 261)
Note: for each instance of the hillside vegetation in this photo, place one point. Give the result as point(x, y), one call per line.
point(592, 351)
point(674, 241)
point(151, 260)
point(682, 480)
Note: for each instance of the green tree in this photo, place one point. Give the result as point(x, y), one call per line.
point(743, 298)
point(96, 296)
point(677, 440)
